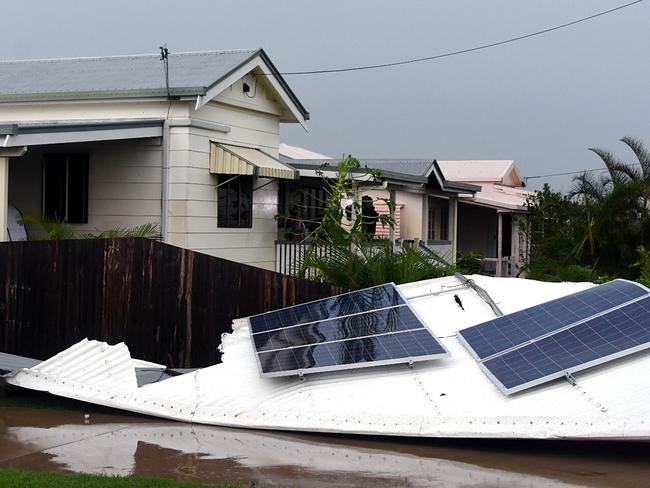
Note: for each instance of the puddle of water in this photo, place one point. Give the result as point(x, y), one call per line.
point(63, 439)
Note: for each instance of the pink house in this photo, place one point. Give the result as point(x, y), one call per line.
point(490, 221)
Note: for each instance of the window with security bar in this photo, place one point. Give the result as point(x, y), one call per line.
point(234, 201)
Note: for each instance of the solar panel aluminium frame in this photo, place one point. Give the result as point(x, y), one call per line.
point(361, 365)
point(574, 369)
point(473, 353)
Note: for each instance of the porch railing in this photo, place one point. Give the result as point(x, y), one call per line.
point(289, 255)
point(509, 267)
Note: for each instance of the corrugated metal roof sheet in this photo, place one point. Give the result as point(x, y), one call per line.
point(412, 167)
point(407, 170)
point(295, 152)
point(451, 398)
point(189, 74)
point(11, 362)
point(480, 170)
point(238, 160)
point(503, 196)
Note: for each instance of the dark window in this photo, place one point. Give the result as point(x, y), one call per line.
point(234, 201)
point(438, 219)
point(309, 202)
point(65, 187)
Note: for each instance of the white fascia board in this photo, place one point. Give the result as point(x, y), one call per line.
point(12, 152)
point(243, 70)
point(200, 124)
point(71, 136)
point(82, 101)
point(499, 207)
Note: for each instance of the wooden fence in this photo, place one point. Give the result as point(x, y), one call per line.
point(170, 305)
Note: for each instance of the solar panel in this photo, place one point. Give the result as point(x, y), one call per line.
point(508, 331)
point(346, 304)
point(603, 338)
point(358, 329)
point(563, 336)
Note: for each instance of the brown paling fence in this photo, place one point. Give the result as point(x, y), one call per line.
point(170, 305)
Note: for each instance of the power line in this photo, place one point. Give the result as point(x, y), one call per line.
point(462, 51)
point(526, 178)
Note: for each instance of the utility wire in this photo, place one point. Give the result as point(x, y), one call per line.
point(526, 178)
point(462, 51)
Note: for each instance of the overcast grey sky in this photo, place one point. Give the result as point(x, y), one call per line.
point(541, 101)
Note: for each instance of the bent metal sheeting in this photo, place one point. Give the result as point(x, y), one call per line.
point(450, 397)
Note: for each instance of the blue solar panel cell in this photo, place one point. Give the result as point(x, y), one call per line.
point(394, 319)
point(508, 331)
point(363, 328)
point(367, 351)
point(352, 303)
point(594, 341)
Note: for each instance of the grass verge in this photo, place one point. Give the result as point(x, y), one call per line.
point(41, 479)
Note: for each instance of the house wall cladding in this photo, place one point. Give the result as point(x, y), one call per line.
point(192, 188)
point(124, 182)
point(169, 305)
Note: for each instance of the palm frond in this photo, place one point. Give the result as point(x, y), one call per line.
point(588, 186)
point(641, 153)
point(55, 229)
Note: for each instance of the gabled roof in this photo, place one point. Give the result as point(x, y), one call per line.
point(296, 152)
point(501, 183)
point(477, 170)
point(418, 171)
point(139, 76)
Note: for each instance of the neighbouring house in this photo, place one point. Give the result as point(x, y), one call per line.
point(105, 142)
point(426, 201)
point(448, 206)
point(490, 222)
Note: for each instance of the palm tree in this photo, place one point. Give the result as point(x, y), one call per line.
point(635, 175)
point(617, 207)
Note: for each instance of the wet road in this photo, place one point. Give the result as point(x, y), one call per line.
point(62, 438)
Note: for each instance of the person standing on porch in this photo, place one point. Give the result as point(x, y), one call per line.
point(369, 215)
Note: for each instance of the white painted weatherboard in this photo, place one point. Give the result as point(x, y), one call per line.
point(124, 182)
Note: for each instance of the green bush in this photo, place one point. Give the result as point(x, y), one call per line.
point(470, 263)
point(643, 264)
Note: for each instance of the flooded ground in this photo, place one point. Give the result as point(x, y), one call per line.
point(51, 434)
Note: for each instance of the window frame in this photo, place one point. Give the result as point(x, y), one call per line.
point(65, 182)
point(244, 189)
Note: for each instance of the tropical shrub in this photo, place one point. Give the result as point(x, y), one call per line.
point(55, 230)
point(470, 263)
point(594, 232)
point(643, 265)
point(354, 259)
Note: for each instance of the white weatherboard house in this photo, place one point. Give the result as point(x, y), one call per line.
point(105, 142)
